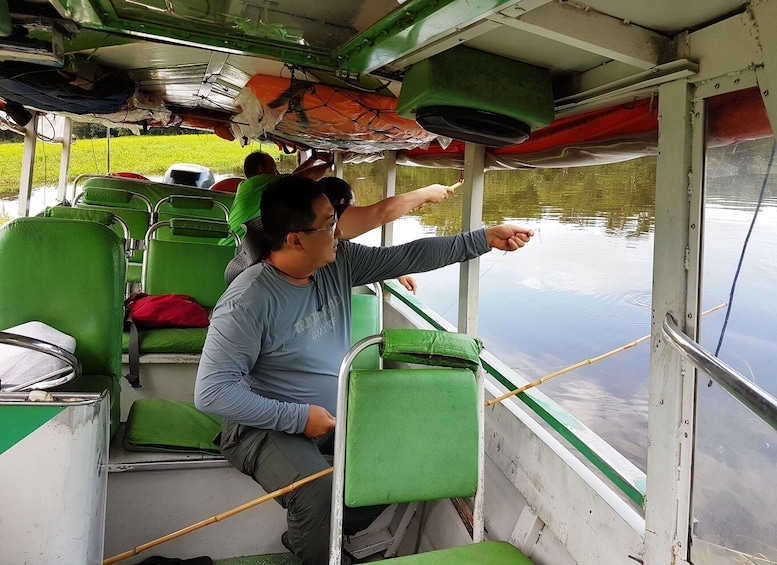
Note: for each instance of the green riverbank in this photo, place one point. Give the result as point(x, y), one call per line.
point(147, 155)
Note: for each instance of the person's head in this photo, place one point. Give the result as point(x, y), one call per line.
point(296, 212)
point(259, 163)
point(338, 191)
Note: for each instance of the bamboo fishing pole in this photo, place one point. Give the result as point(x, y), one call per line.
point(539, 381)
point(218, 517)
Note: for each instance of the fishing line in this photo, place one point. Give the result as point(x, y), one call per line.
point(484, 273)
point(742, 255)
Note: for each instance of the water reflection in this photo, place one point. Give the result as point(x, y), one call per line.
point(618, 198)
point(583, 288)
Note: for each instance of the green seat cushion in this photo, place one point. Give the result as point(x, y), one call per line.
point(98, 383)
point(365, 321)
point(168, 340)
point(484, 553)
point(155, 191)
point(431, 347)
point(395, 421)
point(154, 424)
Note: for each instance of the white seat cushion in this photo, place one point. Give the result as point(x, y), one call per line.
point(19, 365)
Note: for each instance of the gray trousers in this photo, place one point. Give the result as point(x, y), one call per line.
point(277, 459)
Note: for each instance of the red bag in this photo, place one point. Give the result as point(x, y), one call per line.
point(165, 311)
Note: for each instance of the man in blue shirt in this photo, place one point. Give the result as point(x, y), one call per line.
point(278, 334)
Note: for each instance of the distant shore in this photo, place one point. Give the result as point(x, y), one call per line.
point(147, 155)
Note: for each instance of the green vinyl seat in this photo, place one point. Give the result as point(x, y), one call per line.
point(133, 208)
point(407, 435)
point(69, 274)
point(172, 265)
point(187, 267)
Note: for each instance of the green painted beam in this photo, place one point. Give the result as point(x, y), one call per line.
point(99, 15)
point(413, 24)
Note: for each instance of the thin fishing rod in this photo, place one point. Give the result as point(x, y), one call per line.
point(539, 381)
point(218, 517)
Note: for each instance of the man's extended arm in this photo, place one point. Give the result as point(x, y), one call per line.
point(370, 264)
point(357, 220)
point(310, 170)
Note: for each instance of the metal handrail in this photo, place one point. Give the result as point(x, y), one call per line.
point(54, 378)
point(755, 399)
point(167, 200)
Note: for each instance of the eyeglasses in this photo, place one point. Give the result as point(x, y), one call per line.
point(331, 229)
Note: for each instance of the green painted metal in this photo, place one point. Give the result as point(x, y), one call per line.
point(171, 30)
point(84, 12)
point(415, 23)
point(563, 422)
point(20, 421)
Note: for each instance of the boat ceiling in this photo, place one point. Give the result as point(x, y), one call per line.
point(197, 55)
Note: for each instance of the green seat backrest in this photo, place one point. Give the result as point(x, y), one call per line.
point(156, 191)
point(188, 207)
point(412, 435)
point(183, 267)
point(70, 275)
point(137, 221)
point(365, 321)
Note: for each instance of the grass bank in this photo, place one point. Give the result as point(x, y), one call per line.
point(147, 155)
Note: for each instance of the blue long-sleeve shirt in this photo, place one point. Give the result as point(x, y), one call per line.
point(274, 348)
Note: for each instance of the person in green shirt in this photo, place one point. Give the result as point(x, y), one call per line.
point(261, 171)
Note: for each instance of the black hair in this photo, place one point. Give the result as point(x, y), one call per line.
point(287, 205)
point(256, 161)
point(337, 190)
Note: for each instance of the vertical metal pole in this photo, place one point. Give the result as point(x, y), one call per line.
point(64, 160)
point(28, 164)
point(107, 151)
point(676, 278)
point(338, 165)
point(471, 219)
point(389, 189)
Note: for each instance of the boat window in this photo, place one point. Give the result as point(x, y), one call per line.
point(736, 452)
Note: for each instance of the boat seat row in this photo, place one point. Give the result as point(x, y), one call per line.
point(153, 191)
point(141, 203)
